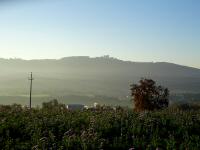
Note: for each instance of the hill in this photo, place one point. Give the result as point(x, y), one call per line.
point(86, 76)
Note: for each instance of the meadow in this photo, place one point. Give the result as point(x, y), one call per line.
point(56, 128)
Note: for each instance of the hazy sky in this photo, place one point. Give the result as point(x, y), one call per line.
point(137, 30)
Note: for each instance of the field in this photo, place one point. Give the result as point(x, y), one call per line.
point(54, 127)
point(88, 100)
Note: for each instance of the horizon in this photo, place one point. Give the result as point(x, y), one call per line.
point(132, 30)
point(103, 56)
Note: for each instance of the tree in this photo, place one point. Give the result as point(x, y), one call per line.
point(148, 96)
point(53, 105)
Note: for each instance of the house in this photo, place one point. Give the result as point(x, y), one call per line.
point(75, 106)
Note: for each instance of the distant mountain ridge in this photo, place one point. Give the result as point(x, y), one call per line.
point(93, 76)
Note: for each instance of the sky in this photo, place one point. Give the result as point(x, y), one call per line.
point(136, 30)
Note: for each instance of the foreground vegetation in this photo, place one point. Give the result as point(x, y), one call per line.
point(54, 127)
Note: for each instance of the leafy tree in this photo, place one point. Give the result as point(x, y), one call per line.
point(53, 105)
point(148, 96)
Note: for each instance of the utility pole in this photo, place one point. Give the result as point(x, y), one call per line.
point(31, 79)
